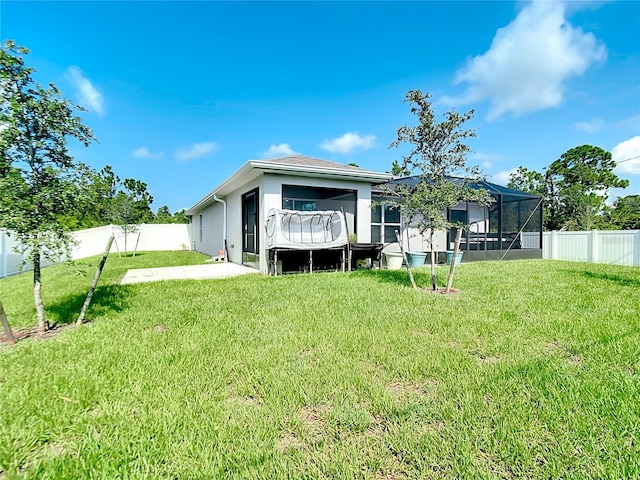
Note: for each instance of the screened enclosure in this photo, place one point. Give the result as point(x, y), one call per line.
point(509, 227)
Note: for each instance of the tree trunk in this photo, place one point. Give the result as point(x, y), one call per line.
point(37, 294)
point(452, 269)
point(434, 283)
point(96, 278)
point(5, 325)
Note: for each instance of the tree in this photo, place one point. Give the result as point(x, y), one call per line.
point(625, 213)
point(437, 158)
point(141, 199)
point(163, 215)
point(574, 187)
point(528, 181)
point(102, 189)
point(40, 183)
point(398, 170)
point(578, 183)
point(534, 182)
point(180, 216)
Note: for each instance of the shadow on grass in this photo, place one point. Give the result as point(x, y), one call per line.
point(106, 299)
point(129, 254)
point(619, 279)
point(399, 277)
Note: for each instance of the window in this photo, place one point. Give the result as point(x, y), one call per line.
point(300, 205)
point(200, 228)
point(385, 220)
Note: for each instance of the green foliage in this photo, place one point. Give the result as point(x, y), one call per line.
point(398, 170)
point(163, 215)
point(40, 184)
point(625, 213)
point(438, 158)
point(330, 376)
point(575, 188)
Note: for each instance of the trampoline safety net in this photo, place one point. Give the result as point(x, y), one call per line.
point(313, 230)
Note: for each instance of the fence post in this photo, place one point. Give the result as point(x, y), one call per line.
point(553, 245)
point(593, 254)
point(636, 249)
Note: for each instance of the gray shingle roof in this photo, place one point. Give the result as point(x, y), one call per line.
point(310, 162)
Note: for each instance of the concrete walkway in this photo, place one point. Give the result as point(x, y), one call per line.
point(194, 272)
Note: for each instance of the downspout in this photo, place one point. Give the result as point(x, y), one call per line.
point(224, 225)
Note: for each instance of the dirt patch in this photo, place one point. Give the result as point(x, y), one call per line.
point(377, 428)
point(486, 358)
point(160, 328)
point(420, 389)
point(434, 426)
point(24, 333)
point(557, 348)
point(311, 418)
point(441, 291)
point(289, 442)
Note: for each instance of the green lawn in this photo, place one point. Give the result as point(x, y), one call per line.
point(533, 370)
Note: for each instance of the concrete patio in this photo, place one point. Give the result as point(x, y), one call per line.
point(191, 272)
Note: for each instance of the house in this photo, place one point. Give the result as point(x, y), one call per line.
point(233, 216)
point(298, 191)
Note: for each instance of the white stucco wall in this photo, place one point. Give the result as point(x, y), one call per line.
point(270, 196)
point(212, 229)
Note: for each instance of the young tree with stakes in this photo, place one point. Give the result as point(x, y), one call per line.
point(40, 183)
point(437, 158)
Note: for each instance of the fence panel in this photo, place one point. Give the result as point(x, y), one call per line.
point(91, 242)
point(616, 247)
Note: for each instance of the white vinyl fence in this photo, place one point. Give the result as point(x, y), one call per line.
point(616, 247)
point(93, 240)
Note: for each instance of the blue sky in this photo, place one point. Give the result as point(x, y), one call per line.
point(181, 94)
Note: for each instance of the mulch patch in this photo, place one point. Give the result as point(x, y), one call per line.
point(23, 333)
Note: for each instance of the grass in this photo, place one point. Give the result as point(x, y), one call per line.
point(65, 287)
point(531, 371)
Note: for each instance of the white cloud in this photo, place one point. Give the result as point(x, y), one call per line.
point(627, 155)
point(348, 142)
point(88, 96)
point(528, 62)
point(591, 126)
point(144, 152)
point(197, 150)
point(486, 159)
point(502, 178)
point(280, 150)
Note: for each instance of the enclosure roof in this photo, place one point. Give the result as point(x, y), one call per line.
point(493, 188)
point(293, 165)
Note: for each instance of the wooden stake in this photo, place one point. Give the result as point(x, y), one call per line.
point(96, 277)
point(5, 325)
point(452, 269)
point(404, 257)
